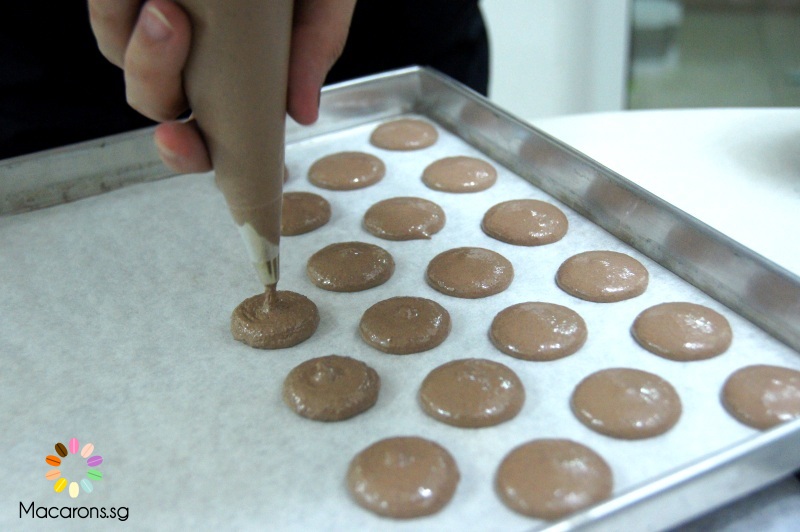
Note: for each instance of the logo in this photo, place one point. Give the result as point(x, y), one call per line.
point(81, 465)
point(90, 474)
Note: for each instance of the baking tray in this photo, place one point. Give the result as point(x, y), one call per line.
point(746, 283)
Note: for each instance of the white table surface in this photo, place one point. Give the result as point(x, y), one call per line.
point(738, 170)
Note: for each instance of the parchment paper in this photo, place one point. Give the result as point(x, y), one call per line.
point(114, 328)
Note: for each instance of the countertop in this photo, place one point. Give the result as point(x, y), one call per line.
point(737, 170)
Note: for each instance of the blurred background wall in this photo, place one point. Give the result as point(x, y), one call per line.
point(554, 57)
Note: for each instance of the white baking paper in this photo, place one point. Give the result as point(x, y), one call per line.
point(114, 329)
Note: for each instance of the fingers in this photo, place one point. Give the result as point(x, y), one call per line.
point(151, 43)
point(112, 23)
point(181, 147)
point(154, 60)
point(318, 38)
point(153, 48)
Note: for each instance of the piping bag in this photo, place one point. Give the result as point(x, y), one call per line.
point(235, 80)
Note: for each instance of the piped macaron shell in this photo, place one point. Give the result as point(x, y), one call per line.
point(74, 445)
point(94, 474)
point(52, 474)
point(74, 490)
point(53, 460)
point(87, 450)
point(61, 450)
point(60, 484)
point(86, 484)
point(94, 461)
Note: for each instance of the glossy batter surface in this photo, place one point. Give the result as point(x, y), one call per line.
point(763, 396)
point(682, 331)
point(347, 170)
point(290, 318)
point(404, 218)
point(525, 222)
point(405, 325)
point(404, 135)
point(551, 478)
point(331, 388)
point(350, 267)
point(403, 477)
point(538, 331)
point(303, 212)
point(459, 174)
point(470, 272)
point(471, 393)
point(625, 403)
point(602, 276)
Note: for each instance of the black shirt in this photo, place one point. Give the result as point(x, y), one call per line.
point(55, 86)
point(57, 89)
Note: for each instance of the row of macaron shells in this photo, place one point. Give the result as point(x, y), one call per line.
point(475, 272)
point(540, 311)
point(601, 276)
point(402, 219)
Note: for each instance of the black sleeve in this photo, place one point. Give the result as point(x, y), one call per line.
point(57, 89)
point(448, 35)
point(55, 86)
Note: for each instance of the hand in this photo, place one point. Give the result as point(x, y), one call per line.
point(150, 41)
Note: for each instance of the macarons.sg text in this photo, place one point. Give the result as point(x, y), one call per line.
point(72, 512)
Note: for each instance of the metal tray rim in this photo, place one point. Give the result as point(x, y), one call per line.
point(130, 158)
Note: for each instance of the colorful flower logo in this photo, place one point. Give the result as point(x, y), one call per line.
point(92, 474)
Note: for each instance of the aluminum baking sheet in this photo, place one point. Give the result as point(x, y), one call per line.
point(114, 329)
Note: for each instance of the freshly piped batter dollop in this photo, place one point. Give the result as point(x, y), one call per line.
point(763, 396)
point(525, 222)
point(470, 272)
point(288, 319)
point(682, 331)
point(472, 392)
point(405, 325)
point(602, 276)
point(552, 478)
point(350, 267)
point(404, 135)
point(403, 477)
point(404, 218)
point(459, 174)
point(303, 212)
point(347, 170)
point(626, 403)
point(331, 388)
point(538, 331)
